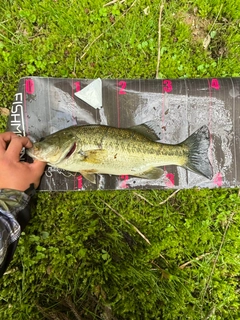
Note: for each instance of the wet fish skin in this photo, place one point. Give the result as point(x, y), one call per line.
point(94, 149)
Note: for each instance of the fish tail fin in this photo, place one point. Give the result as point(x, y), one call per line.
point(198, 144)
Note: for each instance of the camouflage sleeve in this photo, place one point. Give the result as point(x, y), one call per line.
point(12, 206)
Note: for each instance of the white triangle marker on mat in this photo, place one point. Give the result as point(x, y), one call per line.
point(92, 94)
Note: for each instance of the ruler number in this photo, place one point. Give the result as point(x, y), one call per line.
point(124, 179)
point(215, 84)
point(77, 86)
point(29, 86)
point(167, 85)
point(79, 182)
point(122, 85)
point(171, 180)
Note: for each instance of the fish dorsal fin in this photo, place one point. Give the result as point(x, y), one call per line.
point(150, 129)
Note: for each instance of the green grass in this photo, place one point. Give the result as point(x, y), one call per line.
point(78, 259)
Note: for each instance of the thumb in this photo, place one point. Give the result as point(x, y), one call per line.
point(38, 167)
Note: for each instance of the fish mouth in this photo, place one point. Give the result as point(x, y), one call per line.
point(70, 152)
point(31, 153)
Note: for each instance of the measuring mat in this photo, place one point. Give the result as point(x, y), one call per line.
point(178, 108)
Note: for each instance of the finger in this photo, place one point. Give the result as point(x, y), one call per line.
point(37, 168)
point(15, 147)
point(5, 138)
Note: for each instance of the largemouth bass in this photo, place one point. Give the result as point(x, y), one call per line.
point(99, 149)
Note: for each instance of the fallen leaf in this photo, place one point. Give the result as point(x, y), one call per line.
point(206, 41)
point(146, 10)
point(4, 111)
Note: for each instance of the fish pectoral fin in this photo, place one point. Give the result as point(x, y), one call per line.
point(153, 173)
point(89, 176)
point(95, 156)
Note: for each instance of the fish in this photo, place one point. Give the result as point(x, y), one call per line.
point(136, 151)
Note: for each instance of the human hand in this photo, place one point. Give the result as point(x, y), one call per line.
point(16, 174)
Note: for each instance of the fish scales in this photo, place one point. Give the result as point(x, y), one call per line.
point(129, 145)
point(128, 141)
point(116, 151)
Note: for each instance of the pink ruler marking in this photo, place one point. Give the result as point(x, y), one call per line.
point(121, 86)
point(124, 180)
point(170, 183)
point(218, 179)
point(29, 86)
point(214, 84)
point(118, 105)
point(78, 183)
point(28, 89)
point(166, 88)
